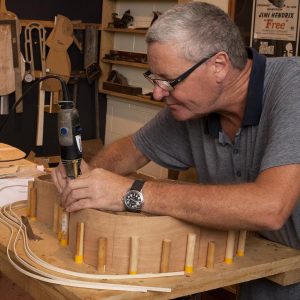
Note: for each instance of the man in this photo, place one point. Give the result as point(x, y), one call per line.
point(230, 113)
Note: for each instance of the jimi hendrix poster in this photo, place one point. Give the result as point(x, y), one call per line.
point(275, 27)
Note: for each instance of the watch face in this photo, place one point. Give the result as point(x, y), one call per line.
point(133, 200)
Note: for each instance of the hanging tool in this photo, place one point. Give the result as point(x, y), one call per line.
point(30, 76)
point(29, 53)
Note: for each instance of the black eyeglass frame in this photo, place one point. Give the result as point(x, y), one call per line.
point(174, 82)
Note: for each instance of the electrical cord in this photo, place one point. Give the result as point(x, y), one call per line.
point(65, 91)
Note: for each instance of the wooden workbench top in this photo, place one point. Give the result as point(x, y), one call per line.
point(263, 258)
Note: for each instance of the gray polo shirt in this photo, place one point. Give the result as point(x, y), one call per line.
point(269, 136)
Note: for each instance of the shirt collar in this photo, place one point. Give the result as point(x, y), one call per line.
point(254, 96)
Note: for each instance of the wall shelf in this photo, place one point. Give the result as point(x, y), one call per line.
point(50, 24)
point(125, 30)
point(133, 98)
point(125, 63)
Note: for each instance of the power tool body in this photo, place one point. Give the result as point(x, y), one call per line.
point(69, 133)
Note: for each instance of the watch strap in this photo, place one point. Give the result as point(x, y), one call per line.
point(137, 185)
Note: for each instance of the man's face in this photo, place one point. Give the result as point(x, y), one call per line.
point(196, 95)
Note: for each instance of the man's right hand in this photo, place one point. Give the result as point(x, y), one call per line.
point(59, 175)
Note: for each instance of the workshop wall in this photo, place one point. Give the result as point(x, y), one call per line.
point(20, 129)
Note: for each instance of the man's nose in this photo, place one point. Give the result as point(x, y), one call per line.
point(159, 93)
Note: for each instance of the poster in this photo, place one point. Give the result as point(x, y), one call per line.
point(275, 27)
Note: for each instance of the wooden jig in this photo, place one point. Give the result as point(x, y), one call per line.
point(119, 243)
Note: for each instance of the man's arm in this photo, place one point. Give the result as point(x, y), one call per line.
point(262, 205)
point(121, 157)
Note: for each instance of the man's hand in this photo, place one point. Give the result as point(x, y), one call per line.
point(59, 175)
point(97, 188)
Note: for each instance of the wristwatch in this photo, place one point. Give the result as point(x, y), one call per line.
point(133, 199)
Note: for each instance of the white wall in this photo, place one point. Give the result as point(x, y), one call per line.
point(125, 117)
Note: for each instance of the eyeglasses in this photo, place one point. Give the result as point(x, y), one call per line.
point(169, 85)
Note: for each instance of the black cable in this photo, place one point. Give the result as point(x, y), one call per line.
point(66, 95)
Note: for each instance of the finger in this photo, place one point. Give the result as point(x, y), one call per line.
point(69, 193)
point(54, 179)
point(80, 204)
point(76, 195)
point(59, 177)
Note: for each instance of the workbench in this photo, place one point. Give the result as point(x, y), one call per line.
point(263, 259)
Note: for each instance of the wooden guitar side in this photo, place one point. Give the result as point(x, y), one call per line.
point(119, 228)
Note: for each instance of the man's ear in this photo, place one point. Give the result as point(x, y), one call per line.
point(221, 64)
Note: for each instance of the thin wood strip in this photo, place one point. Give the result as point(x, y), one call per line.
point(59, 216)
point(134, 254)
point(230, 247)
point(190, 251)
point(241, 243)
point(40, 116)
point(210, 260)
point(64, 228)
point(55, 217)
point(165, 256)
point(102, 250)
point(79, 243)
point(30, 186)
point(33, 201)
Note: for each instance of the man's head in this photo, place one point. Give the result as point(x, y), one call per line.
point(199, 29)
point(191, 48)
